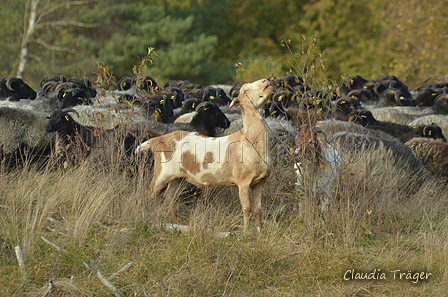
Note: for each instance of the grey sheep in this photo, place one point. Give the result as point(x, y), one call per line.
point(46, 103)
point(372, 155)
point(402, 132)
point(23, 132)
point(398, 115)
point(440, 120)
point(433, 154)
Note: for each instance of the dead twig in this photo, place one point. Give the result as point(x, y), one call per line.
point(123, 269)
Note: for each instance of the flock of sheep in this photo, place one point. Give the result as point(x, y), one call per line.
point(368, 125)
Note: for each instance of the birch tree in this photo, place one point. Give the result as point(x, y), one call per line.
point(40, 15)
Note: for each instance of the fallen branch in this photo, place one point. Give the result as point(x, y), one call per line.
point(58, 248)
point(109, 285)
point(104, 280)
point(185, 229)
point(19, 256)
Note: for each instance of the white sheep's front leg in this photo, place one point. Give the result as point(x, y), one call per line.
point(256, 202)
point(244, 195)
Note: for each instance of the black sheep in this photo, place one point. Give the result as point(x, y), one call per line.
point(14, 89)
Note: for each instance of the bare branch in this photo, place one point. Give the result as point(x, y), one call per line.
point(54, 48)
point(65, 4)
point(66, 23)
point(58, 248)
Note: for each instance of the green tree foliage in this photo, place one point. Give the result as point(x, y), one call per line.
point(202, 40)
point(181, 55)
point(416, 39)
point(348, 29)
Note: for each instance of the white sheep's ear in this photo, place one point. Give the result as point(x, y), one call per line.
point(234, 102)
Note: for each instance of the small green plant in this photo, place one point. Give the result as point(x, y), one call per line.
point(140, 68)
point(104, 77)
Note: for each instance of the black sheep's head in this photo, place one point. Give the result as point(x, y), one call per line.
point(433, 131)
point(61, 121)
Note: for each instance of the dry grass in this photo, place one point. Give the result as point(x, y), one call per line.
point(101, 219)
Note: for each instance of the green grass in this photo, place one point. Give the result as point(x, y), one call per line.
point(102, 220)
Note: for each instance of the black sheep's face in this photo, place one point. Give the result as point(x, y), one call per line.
point(364, 118)
point(215, 114)
point(433, 131)
point(23, 90)
point(58, 121)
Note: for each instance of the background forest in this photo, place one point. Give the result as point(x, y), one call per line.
point(202, 40)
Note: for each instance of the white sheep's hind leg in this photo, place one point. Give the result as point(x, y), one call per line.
point(244, 195)
point(256, 202)
point(170, 195)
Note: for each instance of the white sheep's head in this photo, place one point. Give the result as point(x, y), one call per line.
point(255, 93)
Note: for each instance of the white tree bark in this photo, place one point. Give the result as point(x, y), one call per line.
point(29, 30)
point(36, 18)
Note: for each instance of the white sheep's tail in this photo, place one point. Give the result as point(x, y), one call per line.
point(145, 146)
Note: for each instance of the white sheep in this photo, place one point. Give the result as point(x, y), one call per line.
point(241, 159)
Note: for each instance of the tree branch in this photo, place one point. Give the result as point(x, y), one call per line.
point(66, 23)
point(54, 48)
point(67, 4)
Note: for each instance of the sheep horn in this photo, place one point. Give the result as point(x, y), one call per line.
point(10, 81)
point(70, 110)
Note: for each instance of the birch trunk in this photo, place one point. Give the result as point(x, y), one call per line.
point(29, 30)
